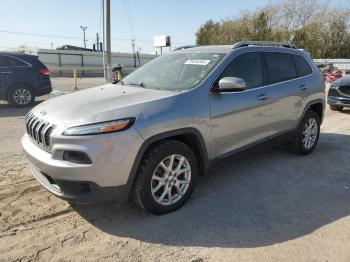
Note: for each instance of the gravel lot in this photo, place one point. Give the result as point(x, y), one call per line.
point(264, 205)
point(67, 83)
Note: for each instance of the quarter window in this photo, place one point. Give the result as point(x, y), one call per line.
point(303, 68)
point(8, 61)
point(246, 66)
point(280, 67)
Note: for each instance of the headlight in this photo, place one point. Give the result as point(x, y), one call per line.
point(100, 128)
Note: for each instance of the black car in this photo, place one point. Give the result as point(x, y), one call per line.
point(339, 94)
point(22, 78)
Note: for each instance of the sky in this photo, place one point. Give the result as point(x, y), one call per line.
point(46, 23)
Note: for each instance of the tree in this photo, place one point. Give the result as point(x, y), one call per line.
point(207, 33)
point(309, 24)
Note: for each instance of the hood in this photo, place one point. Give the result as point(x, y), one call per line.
point(97, 104)
point(343, 81)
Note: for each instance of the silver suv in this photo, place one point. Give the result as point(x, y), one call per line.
point(149, 136)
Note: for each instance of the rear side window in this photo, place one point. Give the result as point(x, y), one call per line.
point(303, 68)
point(280, 67)
point(248, 67)
point(9, 61)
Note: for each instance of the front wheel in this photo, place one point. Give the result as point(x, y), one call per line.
point(166, 177)
point(307, 135)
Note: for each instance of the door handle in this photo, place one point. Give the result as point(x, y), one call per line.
point(262, 97)
point(6, 73)
point(302, 87)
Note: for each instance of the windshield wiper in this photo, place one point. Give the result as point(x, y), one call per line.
point(134, 84)
point(119, 82)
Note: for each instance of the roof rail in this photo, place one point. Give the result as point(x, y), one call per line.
point(248, 43)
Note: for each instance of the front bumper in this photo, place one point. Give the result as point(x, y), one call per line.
point(107, 177)
point(338, 101)
point(80, 192)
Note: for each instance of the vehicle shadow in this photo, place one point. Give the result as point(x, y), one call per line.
point(345, 111)
point(7, 110)
point(258, 198)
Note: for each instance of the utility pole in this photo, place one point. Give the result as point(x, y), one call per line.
point(133, 51)
point(133, 45)
point(107, 39)
point(103, 43)
point(97, 42)
point(84, 29)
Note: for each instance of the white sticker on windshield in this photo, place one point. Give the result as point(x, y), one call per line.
point(197, 62)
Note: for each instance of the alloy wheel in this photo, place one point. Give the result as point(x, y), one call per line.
point(22, 96)
point(310, 133)
point(171, 180)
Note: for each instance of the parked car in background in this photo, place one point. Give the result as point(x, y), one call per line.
point(22, 78)
point(339, 94)
point(150, 136)
point(332, 76)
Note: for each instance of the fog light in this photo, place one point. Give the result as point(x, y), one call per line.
point(76, 157)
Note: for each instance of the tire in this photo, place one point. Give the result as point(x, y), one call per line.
point(336, 108)
point(152, 175)
point(21, 96)
point(299, 144)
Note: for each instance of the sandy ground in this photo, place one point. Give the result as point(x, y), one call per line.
point(67, 83)
point(264, 205)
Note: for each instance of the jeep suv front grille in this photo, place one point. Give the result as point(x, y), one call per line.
point(345, 90)
point(39, 130)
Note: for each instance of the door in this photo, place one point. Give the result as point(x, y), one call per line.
point(288, 91)
point(5, 75)
point(240, 118)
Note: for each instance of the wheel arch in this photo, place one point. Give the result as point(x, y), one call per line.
point(10, 88)
point(190, 136)
point(317, 105)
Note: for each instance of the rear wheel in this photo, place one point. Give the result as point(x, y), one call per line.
point(21, 96)
point(336, 108)
point(307, 134)
point(166, 177)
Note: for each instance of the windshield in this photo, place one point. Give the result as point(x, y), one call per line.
point(174, 71)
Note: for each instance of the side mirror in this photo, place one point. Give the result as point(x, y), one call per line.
point(116, 68)
point(231, 84)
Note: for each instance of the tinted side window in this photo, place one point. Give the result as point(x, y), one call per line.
point(303, 68)
point(2, 61)
point(248, 67)
point(280, 67)
point(8, 61)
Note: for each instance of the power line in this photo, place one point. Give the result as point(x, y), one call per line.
point(130, 23)
point(65, 37)
point(129, 19)
point(101, 19)
point(39, 35)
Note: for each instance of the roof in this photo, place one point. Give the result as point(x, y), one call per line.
point(73, 47)
point(208, 49)
point(18, 54)
point(225, 49)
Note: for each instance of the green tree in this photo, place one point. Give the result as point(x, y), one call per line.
point(309, 24)
point(207, 33)
point(260, 27)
